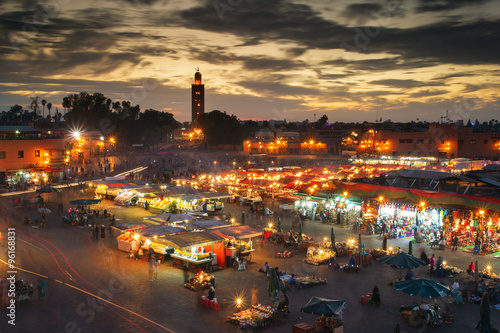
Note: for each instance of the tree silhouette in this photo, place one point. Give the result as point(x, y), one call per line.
point(49, 106)
point(43, 110)
point(34, 104)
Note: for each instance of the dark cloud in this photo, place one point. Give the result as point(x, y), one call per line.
point(454, 75)
point(404, 84)
point(362, 12)
point(443, 5)
point(382, 64)
point(259, 21)
point(143, 2)
point(277, 89)
point(428, 93)
point(220, 55)
point(295, 51)
point(267, 63)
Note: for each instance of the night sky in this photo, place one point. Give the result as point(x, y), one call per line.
point(274, 59)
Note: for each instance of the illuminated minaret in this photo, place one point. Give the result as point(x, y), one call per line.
point(197, 99)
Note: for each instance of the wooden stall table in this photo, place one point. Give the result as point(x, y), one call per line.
point(303, 328)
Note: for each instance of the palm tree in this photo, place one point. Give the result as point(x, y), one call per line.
point(43, 111)
point(49, 106)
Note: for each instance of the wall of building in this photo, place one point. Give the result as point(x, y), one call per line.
point(440, 140)
point(35, 153)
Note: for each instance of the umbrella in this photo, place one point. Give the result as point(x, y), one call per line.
point(44, 210)
point(85, 202)
point(242, 217)
point(484, 324)
point(300, 231)
point(332, 240)
point(48, 189)
point(423, 287)
point(274, 284)
point(402, 260)
point(397, 328)
point(323, 306)
point(279, 225)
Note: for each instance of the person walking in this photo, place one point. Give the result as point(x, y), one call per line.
point(41, 289)
point(103, 231)
point(151, 269)
point(255, 295)
point(157, 268)
point(455, 242)
point(96, 231)
point(375, 296)
point(432, 263)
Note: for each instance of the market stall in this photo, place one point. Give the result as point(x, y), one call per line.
point(169, 218)
point(207, 224)
point(153, 237)
point(254, 317)
point(192, 249)
point(130, 227)
point(318, 256)
point(330, 312)
point(127, 198)
point(301, 281)
point(200, 281)
point(470, 225)
point(239, 240)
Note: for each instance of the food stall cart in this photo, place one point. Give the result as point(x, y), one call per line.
point(236, 236)
point(196, 249)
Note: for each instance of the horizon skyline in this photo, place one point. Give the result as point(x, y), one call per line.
point(289, 59)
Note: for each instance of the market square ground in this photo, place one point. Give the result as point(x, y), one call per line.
point(75, 267)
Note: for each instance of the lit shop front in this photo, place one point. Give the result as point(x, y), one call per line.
point(403, 218)
point(334, 209)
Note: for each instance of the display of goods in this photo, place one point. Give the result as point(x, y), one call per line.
point(454, 270)
point(187, 254)
point(310, 280)
point(264, 308)
point(249, 318)
point(377, 253)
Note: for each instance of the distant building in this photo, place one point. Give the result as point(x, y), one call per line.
point(30, 155)
point(197, 99)
point(440, 140)
point(281, 143)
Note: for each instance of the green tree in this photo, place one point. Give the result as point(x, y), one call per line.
point(221, 128)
